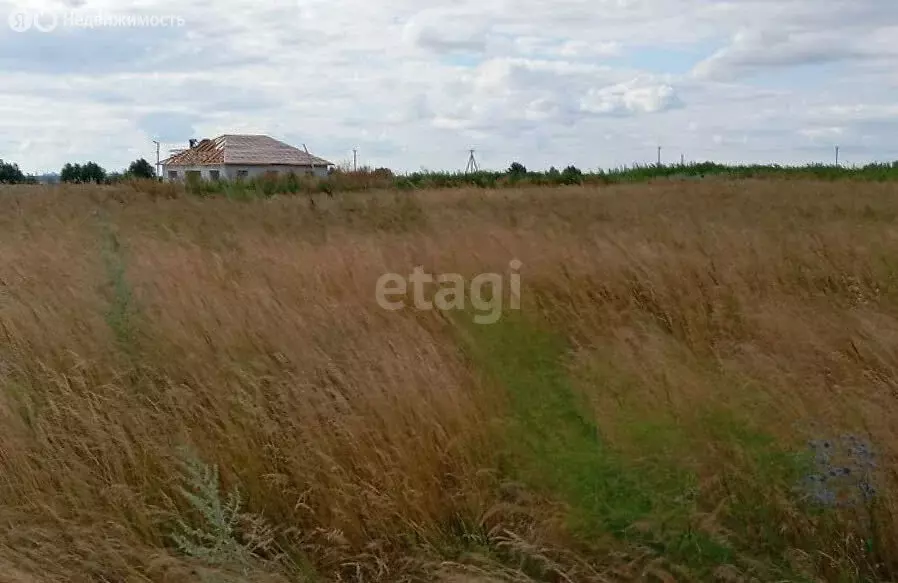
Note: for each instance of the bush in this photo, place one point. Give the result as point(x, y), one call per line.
point(572, 175)
point(518, 176)
point(155, 188)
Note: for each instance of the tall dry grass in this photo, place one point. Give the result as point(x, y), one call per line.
point(708, 328)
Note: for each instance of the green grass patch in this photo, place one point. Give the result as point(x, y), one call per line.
point(648, 492)
point(122, 313)
point(553, 445)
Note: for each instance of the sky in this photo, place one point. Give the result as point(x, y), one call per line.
point(412, 85)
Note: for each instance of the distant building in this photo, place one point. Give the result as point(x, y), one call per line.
point(239, 156)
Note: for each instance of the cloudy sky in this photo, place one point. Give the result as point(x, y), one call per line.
point(596, 83)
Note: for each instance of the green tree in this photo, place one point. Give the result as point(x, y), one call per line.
point(90, 172)
point(10, 173)
point(140, 169)
point(93, 172)
point(517, 170)
point(70, 173)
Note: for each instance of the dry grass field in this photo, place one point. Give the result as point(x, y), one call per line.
point(702, 384)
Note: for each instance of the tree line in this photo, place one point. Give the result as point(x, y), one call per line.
point(87, 173)
point(10, 173)
point(515, 175)
point(91, 172)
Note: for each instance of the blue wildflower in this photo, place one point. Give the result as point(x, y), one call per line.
point(843, 472)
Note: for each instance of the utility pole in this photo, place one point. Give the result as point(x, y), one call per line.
point(355, 153)
point(157, 158)
point(837, 155)
point(682, 159)
point(659, 156)
point(472, 163)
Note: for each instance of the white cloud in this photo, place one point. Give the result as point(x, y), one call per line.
point(635, 96)
point(822, 132)
point(856, 112)
point(756, 50)
point(582, 48)
point(442, 30)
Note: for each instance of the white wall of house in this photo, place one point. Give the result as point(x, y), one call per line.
point(206, 172)
point(233, 171)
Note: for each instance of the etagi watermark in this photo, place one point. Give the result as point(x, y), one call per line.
point(48, 21)
point(485, 292)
